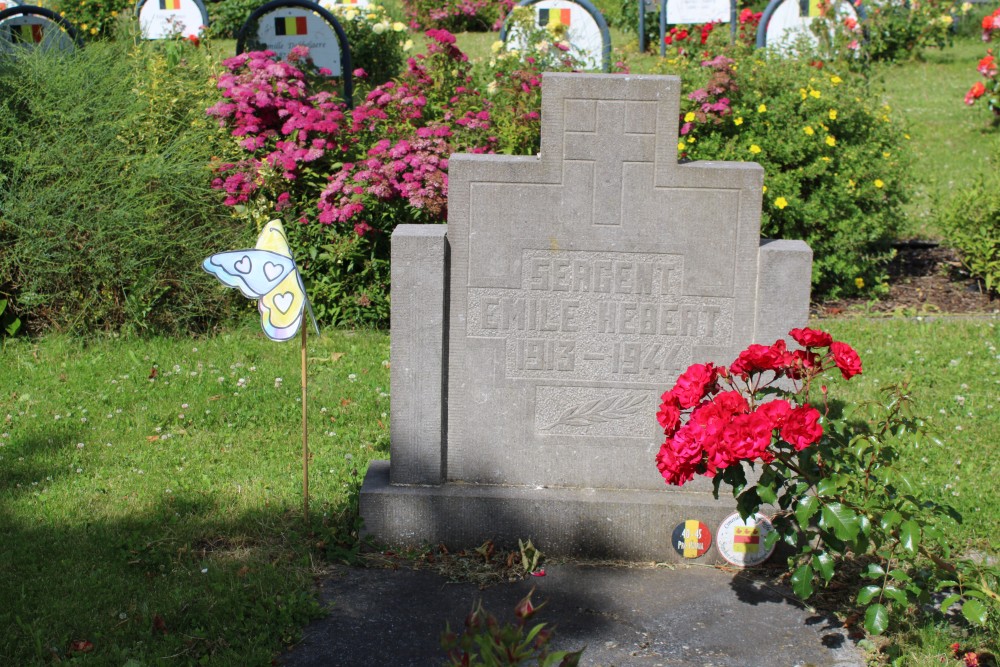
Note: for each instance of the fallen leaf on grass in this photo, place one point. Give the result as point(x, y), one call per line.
point(344, 402)
point(215, 398)
point(159, 625)
point(152, 438)
point(154, 373)
point(81, 646)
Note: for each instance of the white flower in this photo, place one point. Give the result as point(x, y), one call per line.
point(378, 28)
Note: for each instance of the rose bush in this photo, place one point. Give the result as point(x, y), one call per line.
point(988, 69)
point(839, 501)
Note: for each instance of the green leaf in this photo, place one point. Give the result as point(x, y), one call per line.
point(890, 520)
point(806, 509)
point(895, 594)
point(828, 486)
point(771, 539)
point(866, 594)
point(766, 494)
point(900, 575)
point(974, 611)
point(841, 520)
point(876, 619)
point(948, 601)
point(909, 535)
point(823, 563)
point(802, 581)
point(748, 502)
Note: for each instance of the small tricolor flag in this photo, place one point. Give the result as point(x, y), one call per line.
point(170, 4)
point(28, 33)
point(746, 539)
point(812, 8)
point(290, 25)
point(553, 16)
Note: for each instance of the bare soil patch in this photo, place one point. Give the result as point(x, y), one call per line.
point(924, 279)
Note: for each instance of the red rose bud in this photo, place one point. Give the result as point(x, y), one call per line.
point(524, 608)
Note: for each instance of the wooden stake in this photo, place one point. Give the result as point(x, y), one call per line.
point(305, 431)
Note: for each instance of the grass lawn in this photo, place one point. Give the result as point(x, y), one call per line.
point(150, 490)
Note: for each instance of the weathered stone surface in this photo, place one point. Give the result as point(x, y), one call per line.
point(581, 283)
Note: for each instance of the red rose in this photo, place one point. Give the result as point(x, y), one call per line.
point(977, 91)
point(802, 427)
point(675, 471)
point(669, 415)
point(847, 359)
point(694, 384)
point(811, 337)
point(800, 362)
point(758, 358)
point(731, 402)
point(776, 411)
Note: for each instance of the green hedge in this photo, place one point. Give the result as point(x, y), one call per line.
point(106, 209)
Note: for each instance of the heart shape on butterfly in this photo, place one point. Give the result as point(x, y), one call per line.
point(267, 273)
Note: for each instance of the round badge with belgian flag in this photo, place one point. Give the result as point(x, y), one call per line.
point(691, 539)
point(742, 543)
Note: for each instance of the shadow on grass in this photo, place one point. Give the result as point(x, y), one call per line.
point(179, 580)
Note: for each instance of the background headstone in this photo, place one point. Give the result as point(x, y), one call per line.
point(586, 29)
point(165, 19)
point(577, 286)
point(26, 26)
point(786, 21)
point(698, 11)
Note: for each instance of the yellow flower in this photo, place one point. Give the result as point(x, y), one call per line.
point(814, 93)
point(885, 154)
point(681, 145)
point(114, 13)
point(738, 120)
point(781, 202)
point(351, 14)
point(691, 140)
point(754, 148)
point(906, 136)
point(946, 19)
point(836, 79)
point(764, 189)
point(966, 7)
point(407, 45)
point(830, 141)
point(808, 130)
point(93, 31)
point(803, 93)
point(851, 183)
point(398, 26)
point(689, 116)
point(497, 46)
point(879, 183)
point(825, 159)
point(762, 108)
point(84, 26)
point(859, 282)
point(833, 114)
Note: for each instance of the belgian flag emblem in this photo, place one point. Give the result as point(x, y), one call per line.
point(553, 16)
point(27, 33)
point(812, 8)
point(290, 25)
point(170, 4)
point(746, 539)
point(691, 539)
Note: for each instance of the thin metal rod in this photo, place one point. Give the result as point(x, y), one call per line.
point(305, 432)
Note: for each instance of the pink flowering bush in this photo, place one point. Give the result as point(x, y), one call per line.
point(349, 176)
point(457, 15)
point(828, 478)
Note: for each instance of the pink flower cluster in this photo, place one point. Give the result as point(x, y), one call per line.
point(714, 416)
point(712, 100)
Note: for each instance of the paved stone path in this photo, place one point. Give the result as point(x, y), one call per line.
point(688, 616)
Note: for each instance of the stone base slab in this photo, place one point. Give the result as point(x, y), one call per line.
point(583, 523)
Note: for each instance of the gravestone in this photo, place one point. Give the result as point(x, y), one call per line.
point(533, 335)
point(580, 23)
point(25, 27)
point(281, 25)
point(698, 11)
point(168, 19)
point(784, 22)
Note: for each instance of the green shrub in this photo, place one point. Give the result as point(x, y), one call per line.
point(106, 211)
point(834, 157)
point(900, 30)
point(971, 223)
point(227, 17)
point(376, 42)
point(93, 18)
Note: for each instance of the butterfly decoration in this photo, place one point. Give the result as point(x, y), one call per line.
point(267, 273)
